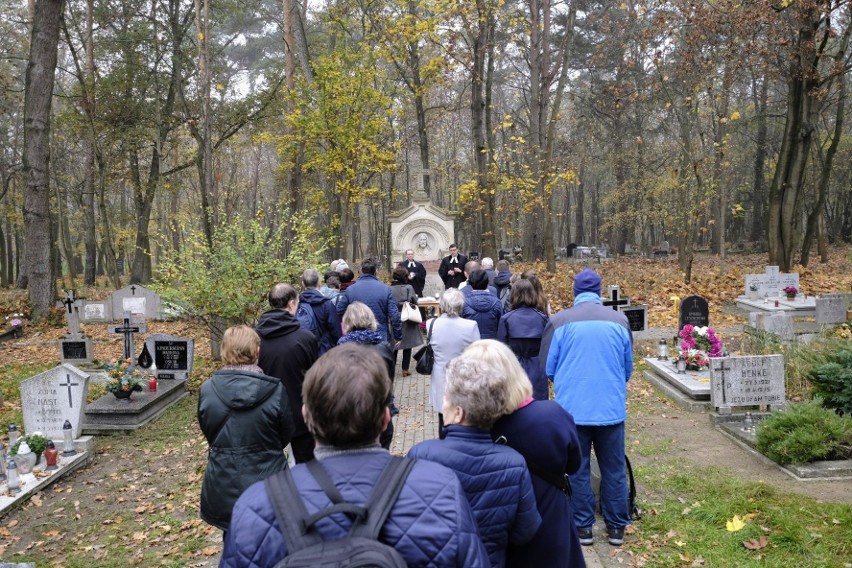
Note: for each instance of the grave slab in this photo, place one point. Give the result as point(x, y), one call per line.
point(831, 308)
point(818, 470)
point(32, 483)
point(108, 416)
point(52, 397)
point(694, 385)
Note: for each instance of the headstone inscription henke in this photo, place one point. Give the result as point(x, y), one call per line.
point(694, 311)
point(742, 381)
point(50, 398)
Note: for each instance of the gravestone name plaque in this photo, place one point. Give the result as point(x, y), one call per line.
point(50, 398)
point(747, 381)
point(694, 311)
point(173, 356)
point(637, 316)
point(96, 311)
point(771, 281)
point(831, 308)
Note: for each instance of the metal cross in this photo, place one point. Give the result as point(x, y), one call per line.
point(69, 384)
point(614, 301)
point(69, 299)
point(133, 290)
point(128, 332)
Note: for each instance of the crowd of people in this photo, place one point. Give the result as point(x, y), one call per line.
point(507, 483)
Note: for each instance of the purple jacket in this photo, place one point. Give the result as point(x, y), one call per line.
point(431, 524)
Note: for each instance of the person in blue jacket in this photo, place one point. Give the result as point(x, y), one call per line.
point(521, 329)
point(545, 435)
point(345, 406)
point(495, 477)
point(588, 353)
point(482, 306)
point(379, 297)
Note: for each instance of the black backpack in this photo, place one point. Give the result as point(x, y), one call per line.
point(360, 547)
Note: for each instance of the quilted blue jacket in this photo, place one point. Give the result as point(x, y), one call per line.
point(485, 309)
point(431, 524)
point(497, 484)
point(379, 297)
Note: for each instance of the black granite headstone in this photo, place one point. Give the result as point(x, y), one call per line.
point(74, 350)
point(636, 316)
point(171, 355)
point(694, 311)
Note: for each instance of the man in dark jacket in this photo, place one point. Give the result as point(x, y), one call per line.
point(346, 394)
point(378, 296)
point(451, 270)
point(325, 313)
point(416, 272)
point(286, 352)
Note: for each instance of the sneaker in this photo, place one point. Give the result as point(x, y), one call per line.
point(616, 535)
point(586, 537)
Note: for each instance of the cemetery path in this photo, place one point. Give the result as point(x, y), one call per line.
point(659, 431)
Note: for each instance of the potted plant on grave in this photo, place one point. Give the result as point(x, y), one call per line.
point(790, 292)
point(697, 345)
point(124, 378)
point(16, 325)
point(36, 443)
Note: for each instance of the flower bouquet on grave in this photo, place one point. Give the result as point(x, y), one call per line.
point(123, 378)
point(700, 338)
point(696, 360)
point(790, 292)
point(16, 324)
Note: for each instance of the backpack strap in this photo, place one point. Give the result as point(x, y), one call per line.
point(339, 505)
point(290, 511)
point(383, 497)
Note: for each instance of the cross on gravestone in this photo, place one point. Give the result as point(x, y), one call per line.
point(133, 290)
point(128, 331)
point(72, 315)
point(69, 384)
point(722, 369)
point(614, 302)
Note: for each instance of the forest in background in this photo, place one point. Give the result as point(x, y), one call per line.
point(714, 125)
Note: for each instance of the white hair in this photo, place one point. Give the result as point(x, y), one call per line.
point(487, 262)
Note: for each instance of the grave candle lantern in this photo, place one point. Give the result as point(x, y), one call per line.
point(662, 350)
point(14, 483)
point(13, 434)
point(2, 462)
point(681, 363)
point(68, 442)
point(152, 383)
point(51, 455)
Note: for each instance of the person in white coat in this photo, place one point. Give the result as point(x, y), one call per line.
point(450, 335)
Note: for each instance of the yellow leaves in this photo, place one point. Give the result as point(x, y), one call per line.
point(209, 551)
point(735, 115)
point(200, 36)
point(735, 524)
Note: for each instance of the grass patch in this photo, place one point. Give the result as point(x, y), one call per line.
point(11, 377)
point(688, 524)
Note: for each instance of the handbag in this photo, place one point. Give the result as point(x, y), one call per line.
point(410, 313)
point(425, 357)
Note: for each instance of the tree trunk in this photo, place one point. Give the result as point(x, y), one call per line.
point(37, 104)
point(205, 144)
point(88, 198)
point(758, 194)
point(786, 192)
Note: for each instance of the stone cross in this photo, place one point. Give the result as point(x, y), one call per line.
point(721, 369)
point(613, 301)
point(72, 315)
point(128, 331)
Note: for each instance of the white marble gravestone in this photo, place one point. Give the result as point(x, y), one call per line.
point(51, 398)
point(831, 308)
point(747, 381)
point(142, 303)
point(75, 347)
point(96, 311)
point(771, 281)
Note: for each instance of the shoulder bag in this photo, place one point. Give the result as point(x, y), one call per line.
point(425, 357)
